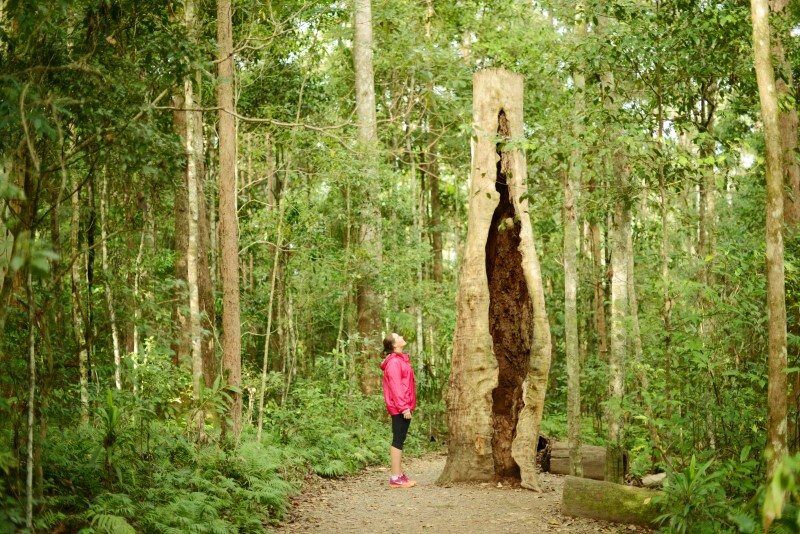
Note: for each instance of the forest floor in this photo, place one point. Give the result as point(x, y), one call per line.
point(365, 503)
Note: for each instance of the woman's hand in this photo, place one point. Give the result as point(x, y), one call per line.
point(407, 414)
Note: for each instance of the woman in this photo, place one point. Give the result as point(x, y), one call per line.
point(399, 392)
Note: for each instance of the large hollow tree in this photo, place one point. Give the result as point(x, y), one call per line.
point(501, 347)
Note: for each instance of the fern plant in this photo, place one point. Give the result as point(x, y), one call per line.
point(693, 500)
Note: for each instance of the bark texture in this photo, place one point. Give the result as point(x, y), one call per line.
point(228, 225)
point(787, 121)
point(501, 349)
point(776, 300)
point(571, 247)
point(368, 301)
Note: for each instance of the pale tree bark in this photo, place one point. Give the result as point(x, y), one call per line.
point(776, 296)
point(228, 224)
point(368, 301)
point(112, 313)
point(137, 307)
point(572, 182)
point(501, 348)
point(620, 228)
point(77, 315)
point(189, 144)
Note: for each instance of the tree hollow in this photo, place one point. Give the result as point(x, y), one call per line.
point(510, 315)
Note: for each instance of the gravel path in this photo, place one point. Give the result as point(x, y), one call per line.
point(365, 503)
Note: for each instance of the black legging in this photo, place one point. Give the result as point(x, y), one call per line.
point(399, 430)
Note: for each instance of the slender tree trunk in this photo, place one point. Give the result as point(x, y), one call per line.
point(776, 296)
point(268, 334)
point(31, 402)
point(137, 306)
point(620, 227)
point(77, 315)
point(572, 180)
point(195, 333)
point(112, 313)
point(368, 301)
point(666, 309)
point(228, 224)
point(181, 338)
point(599, 276)
point(435, 226)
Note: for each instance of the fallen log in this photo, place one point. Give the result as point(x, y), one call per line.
point(607, 501)
point(593, 460)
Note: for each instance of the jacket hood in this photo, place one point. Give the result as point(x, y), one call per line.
point(393, 355)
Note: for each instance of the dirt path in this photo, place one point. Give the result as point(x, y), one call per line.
point(365, 503)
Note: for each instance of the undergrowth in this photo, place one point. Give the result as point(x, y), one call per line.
point(129, 470)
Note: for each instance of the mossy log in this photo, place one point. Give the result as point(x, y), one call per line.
point(607, 501)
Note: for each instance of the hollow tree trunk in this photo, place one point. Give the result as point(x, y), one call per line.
point(776, 296)
point(228, 225)
point(501, 348)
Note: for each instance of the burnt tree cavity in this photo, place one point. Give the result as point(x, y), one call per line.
point(510, 315)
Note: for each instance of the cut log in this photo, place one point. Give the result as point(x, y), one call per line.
point(654, 481)
point(593, 460)
point(607, 501)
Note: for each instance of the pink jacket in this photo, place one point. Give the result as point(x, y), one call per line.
point(399, 386)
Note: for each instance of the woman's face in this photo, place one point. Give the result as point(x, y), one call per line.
point(399, 342)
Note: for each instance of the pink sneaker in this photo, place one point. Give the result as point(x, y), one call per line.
point(401, 482)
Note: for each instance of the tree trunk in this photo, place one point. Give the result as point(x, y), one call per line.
point(501, 348)
point(31, 402)
point(77, 314)
point(228, 225)
point(112, 313)
point(268, 333)
point(435, 221)
point(787, 123)
point(599, 276)
point(181, 344)
point(189, 144)
point(619, 337)
point(368, 301)
point(571, 245)
point(137, 307)
point(776, 297)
